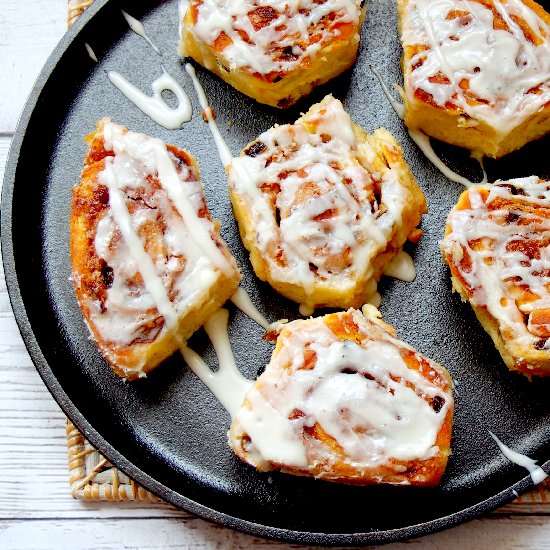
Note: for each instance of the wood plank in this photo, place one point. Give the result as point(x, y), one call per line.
point(153, 534)
point(29, 31)
point(5, 142)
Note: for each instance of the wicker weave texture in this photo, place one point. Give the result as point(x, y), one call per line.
point(539, 495)
point(92, 477)
point(76, 8)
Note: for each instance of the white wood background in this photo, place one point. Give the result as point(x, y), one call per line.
point(36, 509)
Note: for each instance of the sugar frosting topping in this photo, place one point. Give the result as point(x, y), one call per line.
point(155, 274)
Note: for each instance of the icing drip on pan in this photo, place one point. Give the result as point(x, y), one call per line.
point(242, 300)
point(401, 267)
point(537, 473)
point(397, 106)
point(227, 384)
point(154, 106)
point(423, 141)
point(90, 52)
point(138, 28)
point(223, 148)
point(479, 158)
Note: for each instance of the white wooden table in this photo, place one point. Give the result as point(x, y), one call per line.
point(36, 509)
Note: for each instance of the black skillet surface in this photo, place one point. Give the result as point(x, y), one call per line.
point(167, 431)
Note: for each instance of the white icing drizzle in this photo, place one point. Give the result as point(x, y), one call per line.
point(136, 157)
point(361, 394)
point(153, 153)
point(228, 385)
point(401, 267)
point(476, 155)
point(223, 149)
point(154, 106)
point(138, 28)
point(153, 283)
point(397, 106)
point(91, 52)
point(509, 274)
point(242, 300)
point(279, 36)
point(497, 76)
point(176, 273)
point(538, 475)
point(200, 232)
point(423, 141)
point(325, 224)
point(306, 310)
point(455, 386)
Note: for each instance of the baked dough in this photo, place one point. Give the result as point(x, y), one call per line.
point(477, 72)
point(149, 266)
point(497, 245)
point(322, 206)
point(344, 400)
point(275, 53)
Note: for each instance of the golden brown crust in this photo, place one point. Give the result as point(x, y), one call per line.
point(327, 458)
point(93, 277)
point(379, 153)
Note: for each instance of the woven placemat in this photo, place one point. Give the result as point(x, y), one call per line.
point(93, 477)
point(76, 9)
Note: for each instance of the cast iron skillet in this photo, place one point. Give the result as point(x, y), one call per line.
point(167, 431)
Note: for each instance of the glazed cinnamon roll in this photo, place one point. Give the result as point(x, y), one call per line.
point(149, 266)
point(273, 52)
point(497, 245)
point(477, 72)
point(323, 207)
point(344, 400)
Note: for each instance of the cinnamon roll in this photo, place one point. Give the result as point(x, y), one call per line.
point(273, 52)
point(497, 245)
point(149, 266)
point(322, 207)
point(344, 400)
point(477, 72)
